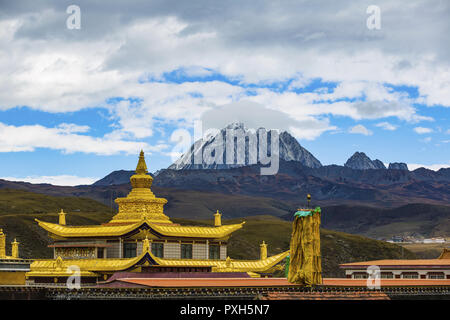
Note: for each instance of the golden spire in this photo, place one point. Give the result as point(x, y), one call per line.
point(62, 218)
point(263, 250)
point(15, 249)
point(217, 219)
point(141, 179)
point(141, 204)
point(141, 167)
point(2, 244)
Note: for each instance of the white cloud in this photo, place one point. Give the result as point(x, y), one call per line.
point(435, 167)
point(422, 130)
point(61, 180)
point(49, 68)
point(29, 138)
point(360, 129)
point(386, 126)
point(72, 128)
point(301, 127)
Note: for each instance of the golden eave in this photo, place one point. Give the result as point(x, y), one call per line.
point(87, 231)
point(120, 230)
point(90, 267)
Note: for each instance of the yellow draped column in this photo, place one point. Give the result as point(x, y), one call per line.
point(305, 258)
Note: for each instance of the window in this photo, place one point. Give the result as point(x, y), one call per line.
point(360, 275)
point(214, 251)
point(435, 275)
point(129, 249)
point(186, 251)
point(387, 275)
point(158, 249)
point(100, 253)
point(410, 275)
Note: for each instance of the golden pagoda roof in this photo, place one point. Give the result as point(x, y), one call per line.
point(122, 229)
point(89, 267)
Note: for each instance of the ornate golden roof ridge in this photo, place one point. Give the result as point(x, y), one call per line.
point(174, 230)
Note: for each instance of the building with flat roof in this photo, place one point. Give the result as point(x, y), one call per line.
point(402, 269)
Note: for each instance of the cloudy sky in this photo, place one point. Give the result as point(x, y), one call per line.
point(76, 104)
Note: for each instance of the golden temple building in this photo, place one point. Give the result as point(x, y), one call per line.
point(141, 238)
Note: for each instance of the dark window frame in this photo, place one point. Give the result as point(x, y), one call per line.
point(186, 250)
point(158, 249)
point(100, 253)
point(129, 249)
point(215, 253)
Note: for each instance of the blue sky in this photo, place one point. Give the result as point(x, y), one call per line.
point(78, 104)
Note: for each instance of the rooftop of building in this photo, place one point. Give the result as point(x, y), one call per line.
point(268, 282)
point(442, 261)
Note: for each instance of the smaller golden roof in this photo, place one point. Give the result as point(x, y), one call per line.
point(90, 267)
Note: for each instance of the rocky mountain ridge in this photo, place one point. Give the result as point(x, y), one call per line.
point(241, 147)
point(360, 161)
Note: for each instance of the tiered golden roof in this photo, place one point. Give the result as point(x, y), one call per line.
point(138, 211)
point(141, 217)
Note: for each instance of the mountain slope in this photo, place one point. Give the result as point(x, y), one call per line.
point(14, 201)
point(419, 220)
point(115, 177)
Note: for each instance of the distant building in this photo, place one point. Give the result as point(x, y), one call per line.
point(403, 269)
point(12, 268)
point(397, 239)
point(434, 240)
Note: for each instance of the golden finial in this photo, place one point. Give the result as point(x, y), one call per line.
point(145, 245)
point(58, 263)
point(263, 250)
point(15, 249)
point(217, 219)
point(308, 197)
point(141, 167)
point(62, 218)
point(2, 244)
